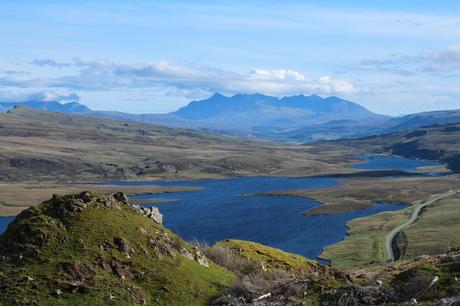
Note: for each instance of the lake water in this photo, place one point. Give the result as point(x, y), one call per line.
point(380, 162)
point(4, 221)
point(218, 211)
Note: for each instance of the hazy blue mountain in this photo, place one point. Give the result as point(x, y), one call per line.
point(297, 118)
point(248, 111)
point(420, 119)
point(294, 119)
point(71, 107)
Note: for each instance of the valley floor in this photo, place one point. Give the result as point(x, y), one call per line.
point(435, 229)
point(50, 153)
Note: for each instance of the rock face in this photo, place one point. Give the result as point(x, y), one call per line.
point(120, 196)
point(154, 214)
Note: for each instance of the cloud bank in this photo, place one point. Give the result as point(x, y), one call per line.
point(38, 96)
point(434, 61)
point(189, 79)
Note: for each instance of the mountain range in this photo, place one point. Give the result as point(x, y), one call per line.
point(295, 119)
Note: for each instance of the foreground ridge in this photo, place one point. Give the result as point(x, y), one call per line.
point(95, 248)
point(91, 248)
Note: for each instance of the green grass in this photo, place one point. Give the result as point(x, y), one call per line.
point(434, 233)
point(436, 230)
point(271, 258)
point(364, 244)
point(49, 242)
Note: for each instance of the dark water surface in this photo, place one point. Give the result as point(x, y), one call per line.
point(4, 221)
point(380, 162)
point(218, 211)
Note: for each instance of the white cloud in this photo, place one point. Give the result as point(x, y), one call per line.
point(188, 78)
point(38, 96)
point(277, 74)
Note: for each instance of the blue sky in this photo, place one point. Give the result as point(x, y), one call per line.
point(393, 57)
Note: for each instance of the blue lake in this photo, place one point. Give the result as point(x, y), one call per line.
point(218, 211)
point(380, 162)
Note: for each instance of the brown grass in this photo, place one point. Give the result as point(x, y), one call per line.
point(363, 193)
point(41, 146)
point(17, 197)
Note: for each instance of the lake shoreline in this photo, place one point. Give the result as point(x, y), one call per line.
point(214, 209)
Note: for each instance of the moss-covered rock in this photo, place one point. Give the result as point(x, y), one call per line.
point(94, 249)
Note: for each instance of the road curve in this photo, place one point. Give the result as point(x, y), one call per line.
point(413, 217)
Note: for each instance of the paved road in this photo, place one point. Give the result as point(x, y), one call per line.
point(413, 217)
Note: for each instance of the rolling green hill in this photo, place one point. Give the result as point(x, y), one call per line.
point(94, 249)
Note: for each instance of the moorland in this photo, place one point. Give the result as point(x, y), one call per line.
point(45, 153)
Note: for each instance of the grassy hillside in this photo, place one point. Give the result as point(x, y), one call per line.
point(272, 259)
point(96, 249)
point(435, 142)
point(93, 249)
point(436, 230)
point(364, 243)
point(37, 145)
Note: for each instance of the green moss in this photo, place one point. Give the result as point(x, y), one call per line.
point(272, 259)
point(65, 247)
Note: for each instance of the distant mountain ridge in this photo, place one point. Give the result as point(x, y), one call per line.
point(257, 110)
point(422, 119)
point(51, 106)
point(219, 104)
point(296, 118)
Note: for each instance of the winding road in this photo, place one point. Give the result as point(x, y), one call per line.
point(413, 217)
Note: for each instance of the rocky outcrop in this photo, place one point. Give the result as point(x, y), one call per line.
point(454, 301)
point(96, 249)
point(152, 213)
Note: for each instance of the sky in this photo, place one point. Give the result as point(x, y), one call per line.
point(393, 57)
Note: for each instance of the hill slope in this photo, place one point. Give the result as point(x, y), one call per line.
point(36, 145)
point(417, 120)
point(94, 249)
point(435, 142)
